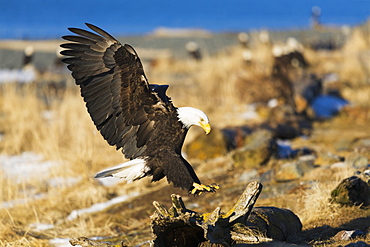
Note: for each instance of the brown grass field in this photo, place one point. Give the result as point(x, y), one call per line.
point(68, 135)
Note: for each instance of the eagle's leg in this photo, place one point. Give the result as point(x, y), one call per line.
point(200, 188)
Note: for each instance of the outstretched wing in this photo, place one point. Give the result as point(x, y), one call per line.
point(116, 91)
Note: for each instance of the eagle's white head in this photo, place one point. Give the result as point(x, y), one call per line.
point(190, 116)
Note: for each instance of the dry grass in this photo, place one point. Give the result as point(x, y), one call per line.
point(209, 84)
point(60, 129)
point(68, 135)
point(316, 200)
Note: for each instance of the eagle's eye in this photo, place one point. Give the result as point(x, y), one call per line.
point(201, 119)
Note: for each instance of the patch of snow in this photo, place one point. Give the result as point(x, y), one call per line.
point(272, 103)
point(60, 242)
point(48, 116)
point(192, 205)
point(41, 226)
point(30, 166)
point(283, 142)
point(330, 78)
point(366, 174)
point(251, 112)
point(13, 203)
point(27, 165)
point(340, 165)
point(60, 181)
point(25, 75)
point(99, 238)
point(100, 206)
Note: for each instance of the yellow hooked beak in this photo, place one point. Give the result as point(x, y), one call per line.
point(206, 127)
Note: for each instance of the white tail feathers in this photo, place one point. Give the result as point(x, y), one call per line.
point(130, 171)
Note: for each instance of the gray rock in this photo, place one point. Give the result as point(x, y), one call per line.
point(357, 161)
point(347, 235)
point(339, 165)
point(256, 151)
point(306, 163)
point(288, 172)
point(207, 146)
point(248, 176)
point(307, 160)
point(358, 244)
point(327, 158)
point(267, 176)
point(352, 191)
point(294, 170)
point(277, 223)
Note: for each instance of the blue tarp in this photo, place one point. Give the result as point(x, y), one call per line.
point(327, 106)
point(285, 151)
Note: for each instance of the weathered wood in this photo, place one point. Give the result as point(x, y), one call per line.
point(245, 203)
point(182, 227)
point(85, 242)
point(242, 224)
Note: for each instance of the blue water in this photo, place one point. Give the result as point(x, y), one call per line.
point(38, 19)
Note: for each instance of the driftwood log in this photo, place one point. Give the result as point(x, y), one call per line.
point(241, 225)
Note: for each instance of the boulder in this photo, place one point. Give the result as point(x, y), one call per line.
point(256, 151)
point(357, 161)
point(358, 244)
point(285, 124)
point(288, 172)
point(362, 146)
point(347, 235)
point(276, 223)
point(210, 146)
point(295, 170)
point(352, 191)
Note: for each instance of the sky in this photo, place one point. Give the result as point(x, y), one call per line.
point(49, 18)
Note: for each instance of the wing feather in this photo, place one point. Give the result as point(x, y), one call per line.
point(82, 54)
point(74, 46)
point(115, 89)
point(101, 114)
point(101, 32)
point(144, 132)
point(86, 33)
point(85, 68)
point(80, 39)
point(109, 133)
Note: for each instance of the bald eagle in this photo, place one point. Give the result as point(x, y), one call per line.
point(131, 114)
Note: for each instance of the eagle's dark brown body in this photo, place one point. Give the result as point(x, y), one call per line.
point(127, 111)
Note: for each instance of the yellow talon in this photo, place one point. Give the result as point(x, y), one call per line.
point(200, 188)
point(215, 186)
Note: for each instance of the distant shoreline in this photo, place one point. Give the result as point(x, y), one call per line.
point(169, 41)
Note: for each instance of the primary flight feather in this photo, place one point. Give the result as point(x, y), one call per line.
point(130, 113)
